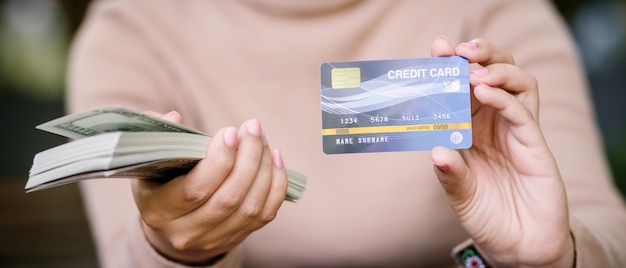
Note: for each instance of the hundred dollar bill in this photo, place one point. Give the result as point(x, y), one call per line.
point(117, 119)
point(111, 119)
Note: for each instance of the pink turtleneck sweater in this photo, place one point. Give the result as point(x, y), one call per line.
point(221, 62)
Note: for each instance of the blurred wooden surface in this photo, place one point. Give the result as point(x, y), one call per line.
point(43, 229)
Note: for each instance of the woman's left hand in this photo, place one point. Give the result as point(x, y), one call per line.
point(506, 189)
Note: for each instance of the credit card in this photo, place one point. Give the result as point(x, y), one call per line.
point(395, 105)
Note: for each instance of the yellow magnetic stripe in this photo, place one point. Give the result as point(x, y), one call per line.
point(395, 129)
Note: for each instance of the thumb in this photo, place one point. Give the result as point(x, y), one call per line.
point(159, 202)
point(453, 174)
point(172, 116)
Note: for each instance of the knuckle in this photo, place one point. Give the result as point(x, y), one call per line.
point(228, 203)
point(193, 195)
point(250, 212)
point(180, 243)
point(153, 220)
point(267, 217)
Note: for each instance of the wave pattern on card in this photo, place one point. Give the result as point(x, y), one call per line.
point(395, 105)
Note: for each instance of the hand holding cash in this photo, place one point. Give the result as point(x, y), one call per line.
point(116, 142)
point(199, 197)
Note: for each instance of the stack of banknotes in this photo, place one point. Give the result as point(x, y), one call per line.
point(116, 142)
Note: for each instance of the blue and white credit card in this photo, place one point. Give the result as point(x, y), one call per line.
point(395, 105)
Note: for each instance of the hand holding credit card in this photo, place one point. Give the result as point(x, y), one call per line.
point(395, 105)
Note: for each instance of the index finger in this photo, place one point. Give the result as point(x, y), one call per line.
point(441, 47)
point(483, 52)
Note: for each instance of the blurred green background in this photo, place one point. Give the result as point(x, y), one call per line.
point(48, 229)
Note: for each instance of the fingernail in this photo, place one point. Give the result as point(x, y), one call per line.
point(480, 72)
point(254, 127)
point(168, 115)
point(442, 167)
point(443, 37)
point(470, 45)
point(484, 85)
point(230, 136)
point(277, 158)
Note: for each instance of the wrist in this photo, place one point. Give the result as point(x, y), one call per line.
point(569, 258)
point(565, 258)
point(469, 255)
point(190, 257)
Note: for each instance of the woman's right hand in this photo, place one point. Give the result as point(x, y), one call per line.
point(237, 189)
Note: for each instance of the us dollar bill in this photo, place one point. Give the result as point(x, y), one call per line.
point(114, 119)
point(110, 119)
